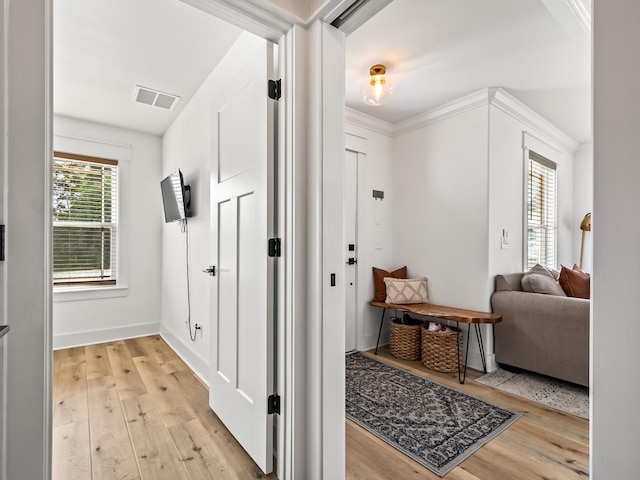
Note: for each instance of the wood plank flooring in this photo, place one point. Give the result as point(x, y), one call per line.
point(543, 444)
point(133, 410)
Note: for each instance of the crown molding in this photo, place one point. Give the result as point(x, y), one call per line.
point(270, 20)
point(582, 13)
point(455, 107)
point(506, 102)
point(359, 119)
point(269, 23)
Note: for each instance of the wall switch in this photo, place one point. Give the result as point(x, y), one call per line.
point(378, 244)
point(504, 239)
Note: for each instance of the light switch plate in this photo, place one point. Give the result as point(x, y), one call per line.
point(504, 239)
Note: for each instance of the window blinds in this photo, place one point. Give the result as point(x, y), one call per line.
point(541, 212)
point(85, 219)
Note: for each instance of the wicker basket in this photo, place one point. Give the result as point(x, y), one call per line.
point(441, 350)
point(405, 338)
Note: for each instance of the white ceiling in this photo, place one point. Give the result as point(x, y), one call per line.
point(439, 50)
point(103, 48)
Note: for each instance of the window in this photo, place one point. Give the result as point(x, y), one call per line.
point(541, 212)
point(85, 220)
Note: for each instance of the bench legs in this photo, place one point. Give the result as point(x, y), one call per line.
point(380, 331)
point(462, 370)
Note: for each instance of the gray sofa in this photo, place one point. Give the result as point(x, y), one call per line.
point(546, 334)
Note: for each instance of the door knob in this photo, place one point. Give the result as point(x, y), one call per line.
point(352, 261)
point(211, 270)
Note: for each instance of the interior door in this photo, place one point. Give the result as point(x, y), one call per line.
point(242, 188)
point(350, 219)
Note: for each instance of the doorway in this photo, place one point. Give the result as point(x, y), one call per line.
point(150, 137)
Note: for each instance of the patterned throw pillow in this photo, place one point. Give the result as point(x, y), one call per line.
point(406, 291)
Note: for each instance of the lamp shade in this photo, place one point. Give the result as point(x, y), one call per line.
point(585, 225)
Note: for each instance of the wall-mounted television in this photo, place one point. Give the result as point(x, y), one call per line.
point(176, 197)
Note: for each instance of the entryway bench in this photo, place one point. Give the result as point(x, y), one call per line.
point(458, 315)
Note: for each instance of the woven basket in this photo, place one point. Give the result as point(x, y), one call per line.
point(441, 350)
point(405, 338)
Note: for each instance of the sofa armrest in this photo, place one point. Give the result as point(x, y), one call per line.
point(509, 282)
point(543, 333)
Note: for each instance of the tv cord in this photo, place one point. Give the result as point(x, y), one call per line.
point(185, 229)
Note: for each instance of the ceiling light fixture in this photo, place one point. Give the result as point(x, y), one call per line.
point(377, 90)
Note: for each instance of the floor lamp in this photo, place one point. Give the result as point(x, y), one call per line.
point(585, 226)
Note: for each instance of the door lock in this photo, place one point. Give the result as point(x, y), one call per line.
point(211, 270)
point(352, 261)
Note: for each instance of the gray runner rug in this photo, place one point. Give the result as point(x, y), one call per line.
point(564, 396)
point(435, 425)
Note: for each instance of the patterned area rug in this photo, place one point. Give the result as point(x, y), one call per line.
point(564, 396)
point(435, 425)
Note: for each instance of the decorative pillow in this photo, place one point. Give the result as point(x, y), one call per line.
point(380, 290)
point(405, 291)
point(542, 270)
point(540, 283)
point(575, 283)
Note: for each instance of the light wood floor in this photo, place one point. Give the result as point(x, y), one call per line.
point(543, 444)
point(133, 410)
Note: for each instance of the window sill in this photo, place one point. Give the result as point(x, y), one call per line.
point(70, 294)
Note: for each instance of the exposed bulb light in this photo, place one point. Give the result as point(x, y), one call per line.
point(377, 90)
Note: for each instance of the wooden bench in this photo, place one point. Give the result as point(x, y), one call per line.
point(458, 315)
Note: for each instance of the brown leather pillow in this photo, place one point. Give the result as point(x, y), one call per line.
point(380, 289)
point(575, 283)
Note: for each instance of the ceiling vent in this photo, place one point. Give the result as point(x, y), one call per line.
point(148, 96)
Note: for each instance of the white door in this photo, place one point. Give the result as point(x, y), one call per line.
point(350, 219)
point(242, 359)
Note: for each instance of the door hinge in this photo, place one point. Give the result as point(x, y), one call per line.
point(273, 404)
point(274, 247)
point(275, 89)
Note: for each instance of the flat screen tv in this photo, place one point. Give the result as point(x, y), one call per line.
point(176, 197)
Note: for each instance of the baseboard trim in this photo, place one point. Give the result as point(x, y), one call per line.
point(475, 361)
point(90, 337)
point(195, 362)
point(369, 342)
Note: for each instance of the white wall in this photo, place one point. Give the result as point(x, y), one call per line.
point(440, 217)
point(441, 211)
point(78, 320)
point(458, 182)
point(508, 137)
point(583, 202)
point(374, 224)
point(615, 329)
point(187, 145)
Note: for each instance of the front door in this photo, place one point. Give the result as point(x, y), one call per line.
point(350, 219)
point(242, 221)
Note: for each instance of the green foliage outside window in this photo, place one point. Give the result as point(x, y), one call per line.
point(84, 201)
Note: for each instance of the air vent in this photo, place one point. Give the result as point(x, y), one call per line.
point(148, 96)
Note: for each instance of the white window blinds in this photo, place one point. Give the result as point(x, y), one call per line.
point(541, 212)
point(85, 220)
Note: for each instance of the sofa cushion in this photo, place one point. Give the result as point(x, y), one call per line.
point(541, 283)
point(380, 289)
point(575, 283)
